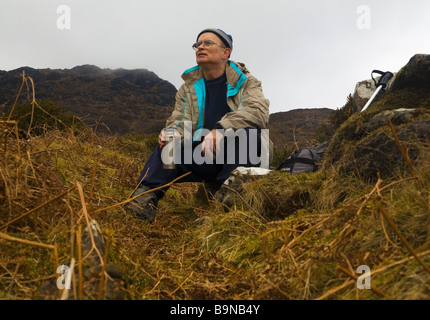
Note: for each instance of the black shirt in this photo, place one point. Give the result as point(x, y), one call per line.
point(216, 101)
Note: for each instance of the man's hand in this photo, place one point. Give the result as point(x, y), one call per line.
point(211, 142)
point(162, 136)
point(161, 141)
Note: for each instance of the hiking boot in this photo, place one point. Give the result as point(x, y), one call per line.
point(145, 206)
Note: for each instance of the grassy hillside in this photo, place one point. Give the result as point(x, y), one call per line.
point(281, 236)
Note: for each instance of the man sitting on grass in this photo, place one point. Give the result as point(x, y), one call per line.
point(218, 97)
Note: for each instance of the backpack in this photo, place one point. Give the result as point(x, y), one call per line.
point(304, 160)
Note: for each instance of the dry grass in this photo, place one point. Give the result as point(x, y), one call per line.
point(281, 237)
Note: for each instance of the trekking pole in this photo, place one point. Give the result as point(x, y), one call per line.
point(382, 83)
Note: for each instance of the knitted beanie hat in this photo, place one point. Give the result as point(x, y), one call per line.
point(226, 38)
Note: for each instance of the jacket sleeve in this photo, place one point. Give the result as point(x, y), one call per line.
point(253, 110)
point(181, 111)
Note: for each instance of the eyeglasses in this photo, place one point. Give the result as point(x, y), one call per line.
point(205, 44)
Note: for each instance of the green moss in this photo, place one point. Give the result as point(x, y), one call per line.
point(409, 98)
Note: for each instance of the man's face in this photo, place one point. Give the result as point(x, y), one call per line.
point(213, 54)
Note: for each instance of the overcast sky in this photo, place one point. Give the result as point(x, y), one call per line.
point(307, 53)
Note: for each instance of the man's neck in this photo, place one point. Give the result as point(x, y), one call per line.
point(213, 72)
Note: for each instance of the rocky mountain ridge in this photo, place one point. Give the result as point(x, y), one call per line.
point(121, 101)
point(297, 126)
point(125, 101)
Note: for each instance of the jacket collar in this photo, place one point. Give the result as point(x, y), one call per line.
point(234, 72)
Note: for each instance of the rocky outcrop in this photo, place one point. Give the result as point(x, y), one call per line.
point(365, 144)
point(364, 91)
point(416, 74)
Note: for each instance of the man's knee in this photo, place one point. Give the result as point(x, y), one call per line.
point(242, 147)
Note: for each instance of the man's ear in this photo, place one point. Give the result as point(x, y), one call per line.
point(226, 54)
